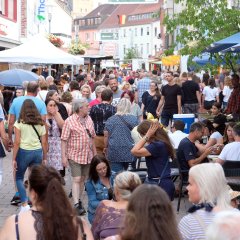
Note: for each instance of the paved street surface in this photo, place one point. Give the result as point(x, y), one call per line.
point(7, 191)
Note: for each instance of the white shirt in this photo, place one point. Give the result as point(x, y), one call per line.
point(231, 152)
point(210, 93)
point(177, 137)
point(42, 95)
point(226, 93)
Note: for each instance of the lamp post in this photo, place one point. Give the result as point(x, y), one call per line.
point(49, 22)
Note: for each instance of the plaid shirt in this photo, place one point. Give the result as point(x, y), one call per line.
point(79, 139)
point(142, 86)
point(234, 102)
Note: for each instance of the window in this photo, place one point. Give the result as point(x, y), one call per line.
point(135, 31)
point(8, 8)
point(92, 21)
point(147, 30)
point(155, 31)
point(124, 32)
point(155, 48)
point(124, 49)
point(87, 37)
point(141, 31)
point(141, 49)
point(148, 48)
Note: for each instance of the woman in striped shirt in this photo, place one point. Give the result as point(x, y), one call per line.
point(208, 191)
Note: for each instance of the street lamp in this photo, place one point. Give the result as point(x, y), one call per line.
point(49, 22)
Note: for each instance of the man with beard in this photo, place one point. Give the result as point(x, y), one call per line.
point(113, 84)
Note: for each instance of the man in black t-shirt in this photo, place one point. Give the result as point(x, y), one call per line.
point(170, 100)
point(192, 97)
point(187, 153)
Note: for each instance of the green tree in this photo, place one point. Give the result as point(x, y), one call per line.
point(202, 22)
point(130, 54)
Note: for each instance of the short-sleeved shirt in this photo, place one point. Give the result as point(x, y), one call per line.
point(220, 120)
point(217, 136)
point(79, 142)
point(29, 139)
point(158, 159)
point(18, 102)
point(186, 151)
point(100, 114)
point(142, 86)
point(231, 152)
point(189, 89)
point(190, 228)
point(170, 94)
point(116, 97)
point(210, 93)
point(150, 102)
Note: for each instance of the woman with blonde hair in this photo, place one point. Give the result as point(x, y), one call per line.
point(208, 191)
point(86, 92)
point(227, 90)
point(110, 214)
point(117, 136)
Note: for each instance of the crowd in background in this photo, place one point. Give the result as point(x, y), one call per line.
point(98, 124)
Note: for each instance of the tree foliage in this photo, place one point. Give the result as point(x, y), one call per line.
point(131, 53)
point(202, 22)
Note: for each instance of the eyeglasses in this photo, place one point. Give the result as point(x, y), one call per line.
point(88, 133)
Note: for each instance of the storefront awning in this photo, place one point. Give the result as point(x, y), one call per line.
point(156, 62)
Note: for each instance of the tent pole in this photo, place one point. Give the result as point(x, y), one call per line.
point(49, 70)
point(72, 73)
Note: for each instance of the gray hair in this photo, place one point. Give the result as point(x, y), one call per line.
point(225, 226)
point(125, 183)
point(100, 88)
point(49, 79)
point(124, 106)
point(212, 184)
point(78, 103)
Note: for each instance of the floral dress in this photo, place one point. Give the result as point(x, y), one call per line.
point(54, 145)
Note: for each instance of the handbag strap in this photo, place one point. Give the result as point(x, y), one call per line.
point(37, 133)
point(164, 170)
point(125, 122)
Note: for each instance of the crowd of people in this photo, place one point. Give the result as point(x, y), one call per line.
point(98, 125)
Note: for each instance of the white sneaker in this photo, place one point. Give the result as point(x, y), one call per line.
point(24, 208)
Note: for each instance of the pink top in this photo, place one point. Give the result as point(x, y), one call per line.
point(94, 102)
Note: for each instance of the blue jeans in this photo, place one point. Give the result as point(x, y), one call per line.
point(25, 159)
point(119, 166)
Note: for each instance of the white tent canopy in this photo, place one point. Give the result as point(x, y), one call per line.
point(39, 50)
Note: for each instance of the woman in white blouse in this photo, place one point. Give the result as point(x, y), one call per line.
point(210, 94)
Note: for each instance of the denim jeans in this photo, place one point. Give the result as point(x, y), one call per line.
point(119, 166)
point(25, 159)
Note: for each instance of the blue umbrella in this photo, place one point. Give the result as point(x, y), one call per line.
point(224, 44)
point(233, 49)
point(16, 77)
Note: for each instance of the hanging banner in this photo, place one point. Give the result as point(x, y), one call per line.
point(171, 60)
point(41, 10)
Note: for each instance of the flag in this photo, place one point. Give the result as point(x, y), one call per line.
point(122, 19)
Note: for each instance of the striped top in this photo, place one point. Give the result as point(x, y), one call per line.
point(193, 226)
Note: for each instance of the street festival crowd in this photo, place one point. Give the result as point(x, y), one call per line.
point(102, 126)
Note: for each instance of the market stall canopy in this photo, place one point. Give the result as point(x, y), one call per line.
point(224, 44)
point(157, 62)
point(172, 60)
point(38, 49)
point(233, 49)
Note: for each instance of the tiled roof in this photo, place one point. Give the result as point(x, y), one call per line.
point(146, 8)
point(101, 11)
point(122, 9)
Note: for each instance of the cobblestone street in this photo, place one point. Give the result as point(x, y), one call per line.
point(7, 191)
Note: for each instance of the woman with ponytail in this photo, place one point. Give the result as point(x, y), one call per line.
point(51, 216)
